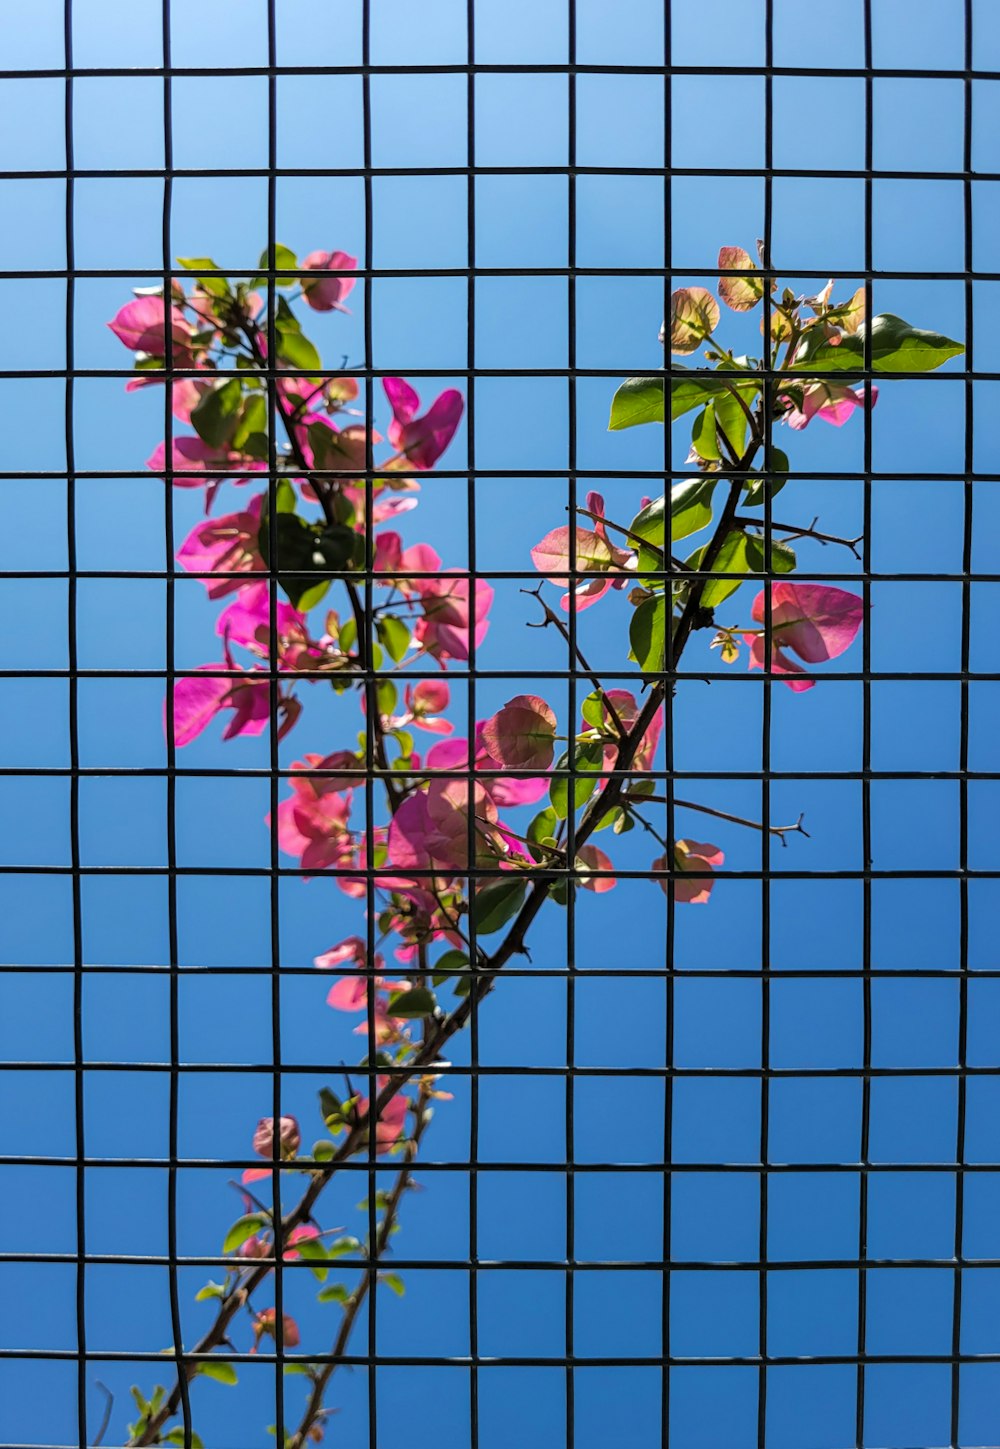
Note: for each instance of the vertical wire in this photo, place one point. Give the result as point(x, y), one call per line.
point(766, 695)
point(669, 962)
point(470, 507)
point(963, 759)
point(74, 743)
point(570, 1083)
point(173, 1108)
point(274, 879)
point(866, 752)
point(366, 647)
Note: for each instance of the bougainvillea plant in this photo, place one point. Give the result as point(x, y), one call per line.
point(317, 589)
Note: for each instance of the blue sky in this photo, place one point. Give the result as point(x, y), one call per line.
point(816, 921)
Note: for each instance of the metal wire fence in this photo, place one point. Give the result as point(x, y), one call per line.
point(782, 1171)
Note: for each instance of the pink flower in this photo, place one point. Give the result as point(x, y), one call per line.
point(392, 559)
point(225, 545)
point(302, 1234)
point(627, 710)
point(193, 454)
point(592, 858)
point(699, 861)
point(392, 1119)
point(255, 1247)
point(815, 621)
point(834, 402)
point(316, 830)
point(246, 621)
point(265, 1324)
point(290, 1139)
point(423, 705)
point(421, 440)
point(350, 993)
point(142, 326)
point(444, 628)
point(198, 698)
point(431, 828)
point(327, 292)
point(504, 790)
point(522, 734)
point(595, 554)
point(351, 949)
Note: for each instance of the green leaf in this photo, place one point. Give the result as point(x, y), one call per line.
point(757, 488)
point(333, 1293)
point(250, 433)
point(393, 1281)
point(453, 960)
point(215, 416)
point(493, 906)
point(141, 1402)
point(218, 1369)
point(394, 636)
point(687, 393)
point(690, 511)
point(348, 635)
point(210, 1290)
point(284, 497)
point(647, 634)
point(323, 1151)
point(703, 435)
point(783, 559)
point(386, 696)
point(342, 1247)
point(592, 708)
point(896, 346)
point(304, 551)
point(412, 1004)
point(177, 1436)
point(542, 831)
point(730, 417)
point(637, 400)
point(313, 1252)
point(588, 756)
point(285, 260)
point(214, 286)
point(330, 1106)
point(296, 348)
point(241, 1230)
point(640, 399)
point(732, 559)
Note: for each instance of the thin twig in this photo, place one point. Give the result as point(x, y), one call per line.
point(636, 538)
point(779, 830)
point(551, 617)
point(796, 532)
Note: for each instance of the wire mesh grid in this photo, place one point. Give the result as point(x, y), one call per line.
point(745, 1191)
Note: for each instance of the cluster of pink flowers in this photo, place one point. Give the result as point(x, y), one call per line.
point(212, 330)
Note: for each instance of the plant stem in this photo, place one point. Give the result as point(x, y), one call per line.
point(797, 532)
point(551, 617)
point(314, 1406)
point(779, 830)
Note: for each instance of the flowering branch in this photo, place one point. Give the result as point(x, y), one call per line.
point(449, 869)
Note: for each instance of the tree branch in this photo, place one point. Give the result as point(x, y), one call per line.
point(314, 1407)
